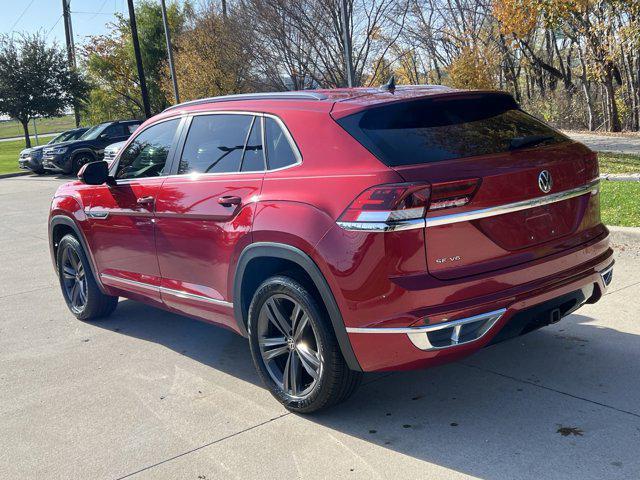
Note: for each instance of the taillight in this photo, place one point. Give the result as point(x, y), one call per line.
point(388, 203)
point(453, 194)
point(404, 205)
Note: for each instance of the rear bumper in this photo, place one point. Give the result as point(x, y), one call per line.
point(482, 321)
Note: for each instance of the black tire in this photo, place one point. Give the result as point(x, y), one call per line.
point(334, 382)
point(84, 298)
point(79, 160)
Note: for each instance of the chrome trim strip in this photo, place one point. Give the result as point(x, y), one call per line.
point(169, 291)
point(591, 187)
point(427, 328)
point(253, 96)
point(96, 214)
point(133, 283)
point(193, 296)
point(383, 226)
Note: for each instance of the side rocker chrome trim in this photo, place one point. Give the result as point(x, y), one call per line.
point(168, 291)
point(193, 296)
point(591, 187)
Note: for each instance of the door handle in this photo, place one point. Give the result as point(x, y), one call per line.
point(145, 200)
point(229, 201)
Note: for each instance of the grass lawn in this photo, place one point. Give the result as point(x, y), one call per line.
point(620, 203)
point(11, 128)
point(9, 152)
point(619, 163)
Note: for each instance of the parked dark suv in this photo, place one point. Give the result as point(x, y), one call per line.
point(68, 157)
point(341, 231)
point(31, 158)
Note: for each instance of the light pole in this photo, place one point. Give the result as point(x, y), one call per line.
point(136, 51)
point(346, 41)
point(167, 35)
point(71, 54)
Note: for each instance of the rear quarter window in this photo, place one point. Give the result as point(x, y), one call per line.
point(437, 129)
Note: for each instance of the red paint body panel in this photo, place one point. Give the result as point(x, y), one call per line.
point(184, 248)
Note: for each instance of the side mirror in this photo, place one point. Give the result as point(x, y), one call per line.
point(103, 136)
point(95, 173)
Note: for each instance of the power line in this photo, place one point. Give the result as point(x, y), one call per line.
point(54, 26)
point(21, 15)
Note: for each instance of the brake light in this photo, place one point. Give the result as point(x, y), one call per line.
point(399, 205)
point(453, 194)
point(388, 203)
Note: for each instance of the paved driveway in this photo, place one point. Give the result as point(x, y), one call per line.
point(151, 395)
point(608, 143)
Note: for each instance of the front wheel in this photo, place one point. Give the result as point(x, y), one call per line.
point(294, 348)
point(80, 160)
point(79, 288)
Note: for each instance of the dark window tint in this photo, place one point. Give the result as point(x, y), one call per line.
point(215, 144)
point(279, 152)
point(76, 135)
point(115, 131)
point(129, 128)
point(435, 129)
point(253, 159)
point(146, 155)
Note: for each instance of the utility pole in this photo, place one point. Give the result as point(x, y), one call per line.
point(136, 51)
point(167, 35)
point(346, 41)
point(71, 49)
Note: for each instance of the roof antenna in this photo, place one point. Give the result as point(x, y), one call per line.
point(390, 86)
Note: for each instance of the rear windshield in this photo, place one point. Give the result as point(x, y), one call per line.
point(436, 129)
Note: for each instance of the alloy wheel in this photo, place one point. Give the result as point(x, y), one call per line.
point(74, 279)
point(289, 346)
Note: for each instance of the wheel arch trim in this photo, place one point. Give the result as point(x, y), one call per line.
point(69, 222)
point(304, 261)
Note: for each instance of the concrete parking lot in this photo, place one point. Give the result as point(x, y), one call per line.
point(151, 395)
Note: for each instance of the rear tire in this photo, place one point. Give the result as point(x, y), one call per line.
point(79, 287)
point(295, 349)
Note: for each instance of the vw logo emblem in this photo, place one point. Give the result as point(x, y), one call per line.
point(544, 181)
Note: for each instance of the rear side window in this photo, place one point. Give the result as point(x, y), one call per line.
point(279, 151)
point(215, 144)
point(253, 160)
point(436, 129)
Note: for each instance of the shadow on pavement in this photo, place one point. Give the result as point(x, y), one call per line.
point(541, 406)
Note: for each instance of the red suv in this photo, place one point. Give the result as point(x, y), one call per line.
point(341, 231)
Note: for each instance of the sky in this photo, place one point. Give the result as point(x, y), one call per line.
point(88, 17)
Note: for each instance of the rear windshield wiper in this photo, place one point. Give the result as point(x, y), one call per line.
point(528, 141)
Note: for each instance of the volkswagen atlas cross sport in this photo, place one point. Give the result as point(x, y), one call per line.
point(341, 231)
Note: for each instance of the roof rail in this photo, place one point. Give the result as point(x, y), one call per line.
point(297, 95)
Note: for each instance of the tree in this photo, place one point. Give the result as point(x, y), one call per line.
point(214, 56)
point(110, 62)
point(35, 80)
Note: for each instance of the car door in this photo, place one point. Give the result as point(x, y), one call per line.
point(204, 213)
point(121, 215)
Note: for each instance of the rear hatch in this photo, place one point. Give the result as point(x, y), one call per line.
point(482, 155)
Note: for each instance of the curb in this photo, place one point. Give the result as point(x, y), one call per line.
point(17, 174)
point(624, 235)
point(621, 177)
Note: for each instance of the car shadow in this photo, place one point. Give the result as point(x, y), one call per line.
point(556, 403)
